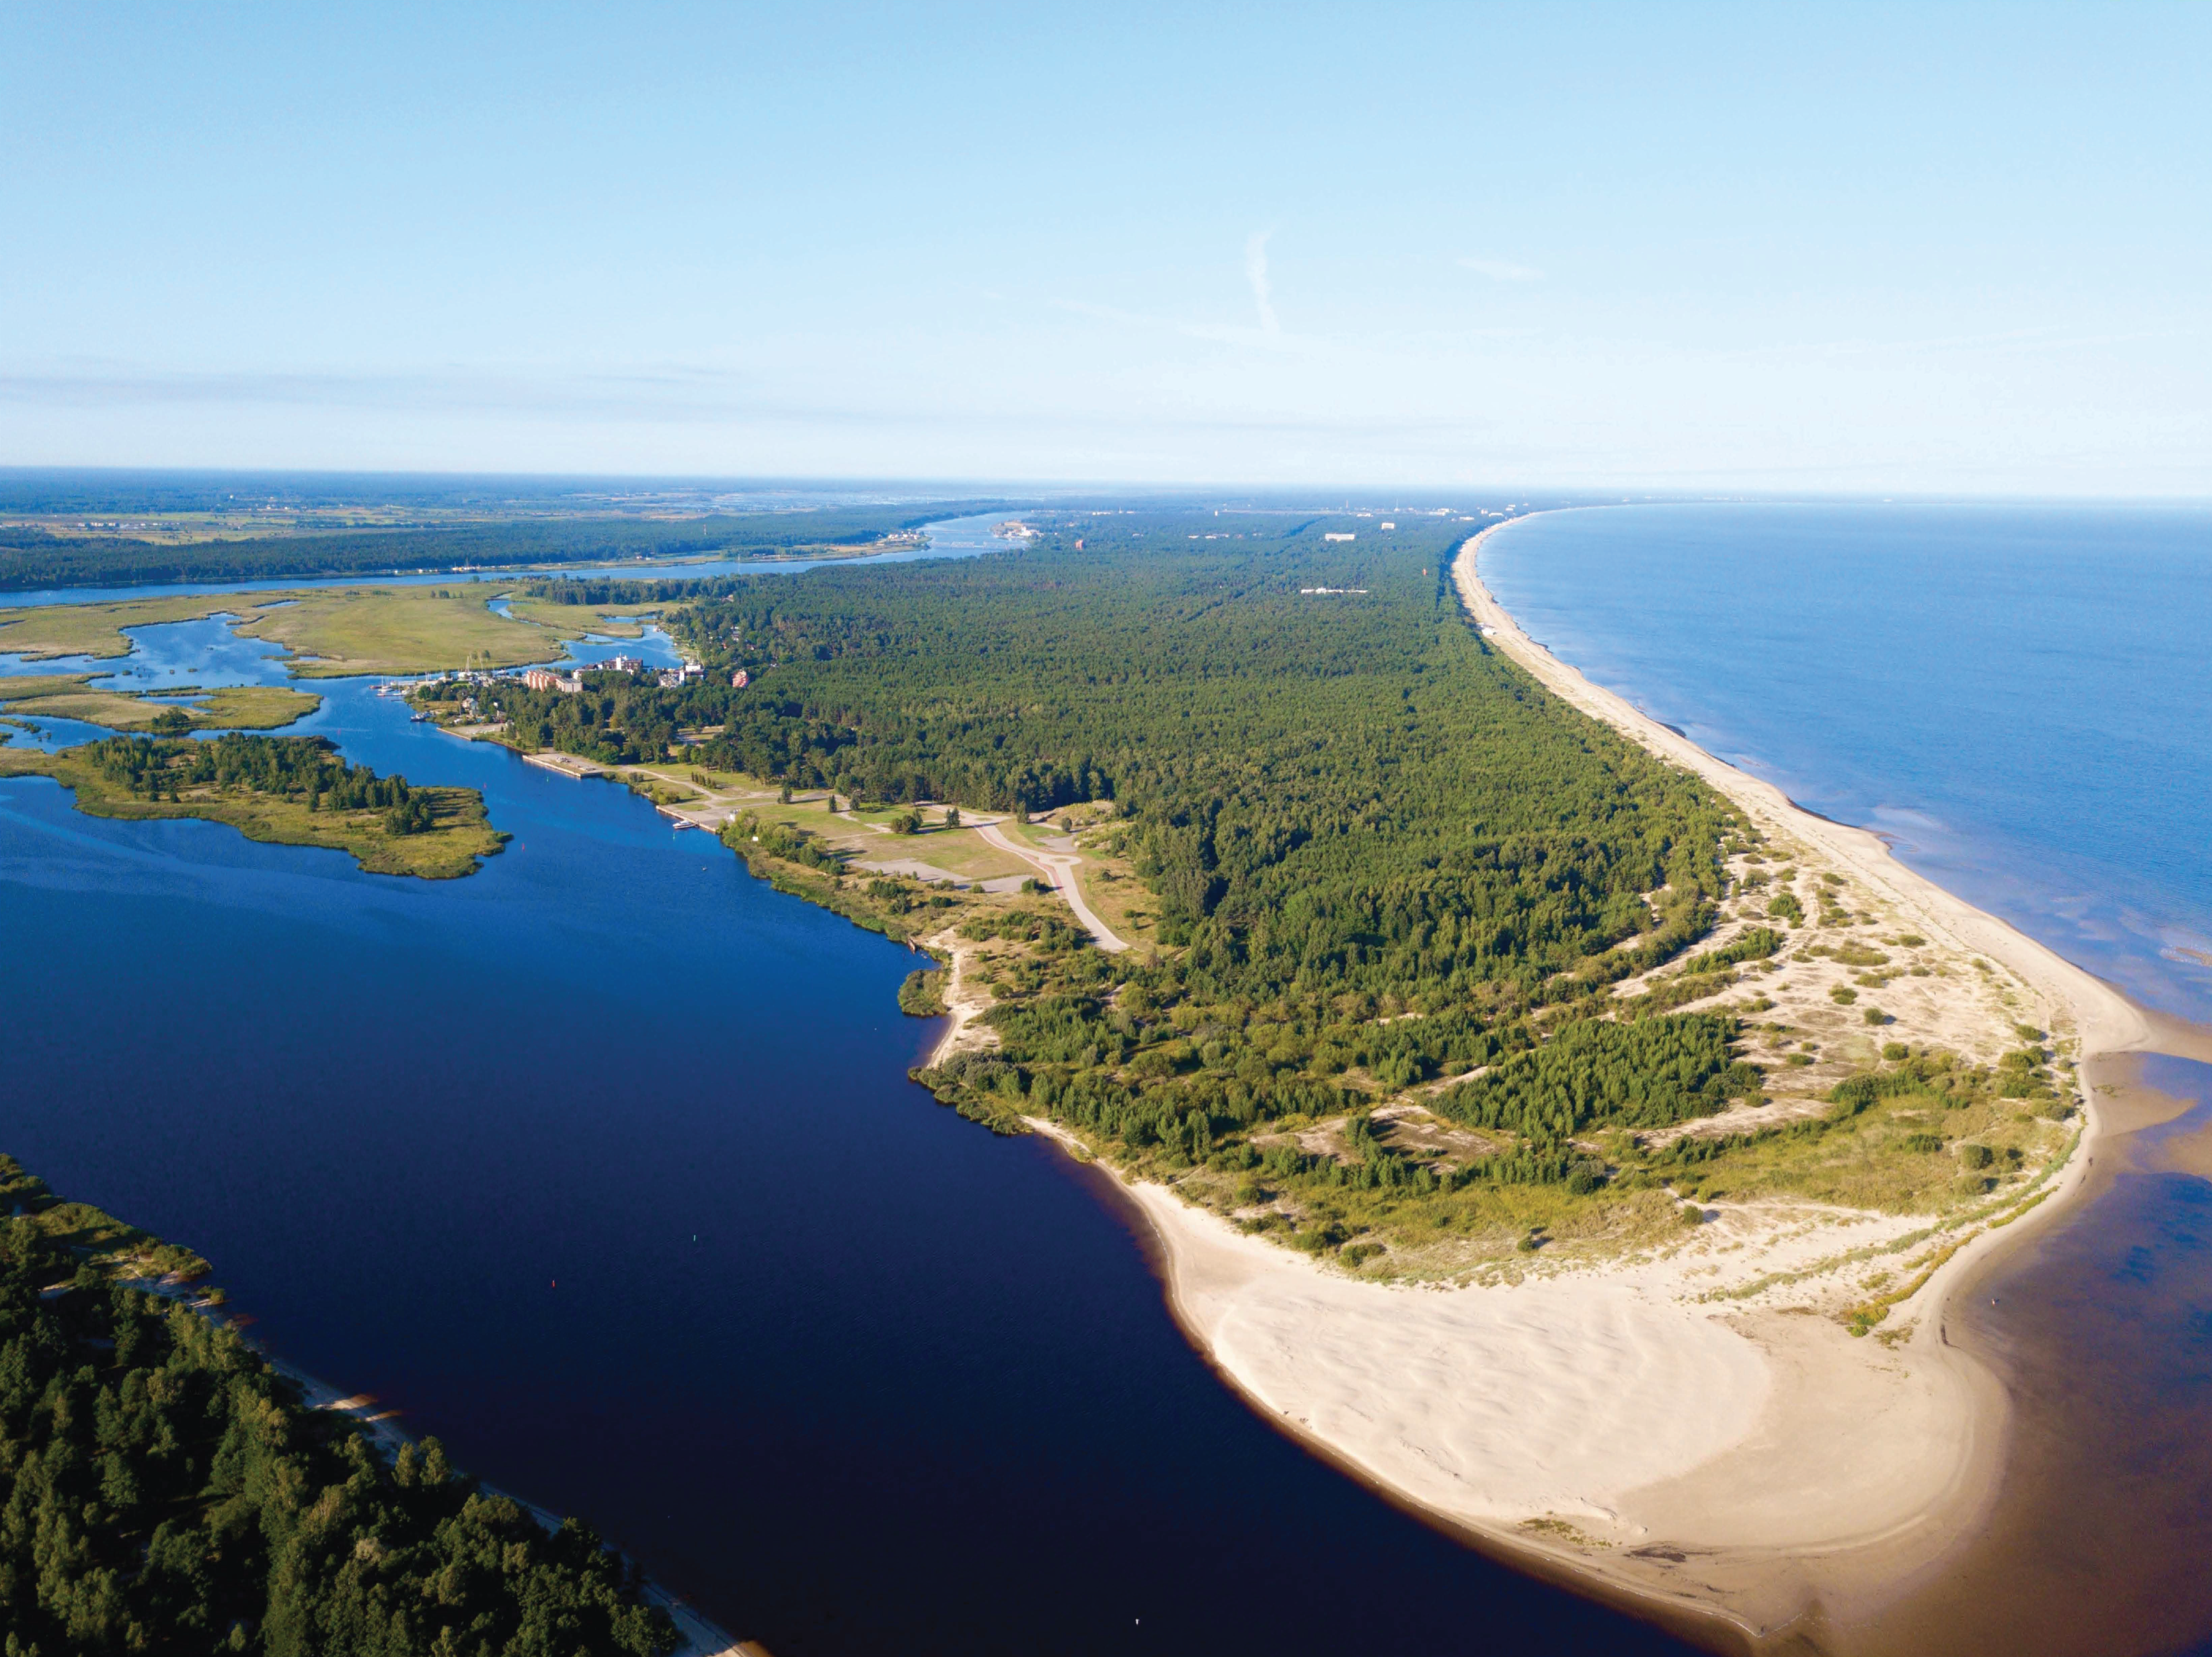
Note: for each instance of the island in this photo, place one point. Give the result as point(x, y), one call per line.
point(286, 790)
point(172, 712)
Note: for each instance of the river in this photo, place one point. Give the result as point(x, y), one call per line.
point(602, 1165)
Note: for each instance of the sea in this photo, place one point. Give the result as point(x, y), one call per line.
point(602, 1165)
point(2016, 697)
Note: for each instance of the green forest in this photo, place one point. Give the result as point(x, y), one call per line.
point(1381, 854)
point(163, 1490)
point(33, 558)
point(290, 790)
point(308, 767)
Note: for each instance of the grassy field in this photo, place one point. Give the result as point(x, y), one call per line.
point(460, 833)
point(232, 707)
point(570, 620)
point(336, 630)
point(865, 834)
point(96, 630)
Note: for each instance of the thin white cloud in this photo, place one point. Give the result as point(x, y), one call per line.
point(1255, 272)
point(1501, 270)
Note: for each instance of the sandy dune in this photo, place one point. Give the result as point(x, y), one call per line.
point(1664, 1424)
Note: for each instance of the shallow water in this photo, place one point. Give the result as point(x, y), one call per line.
point(2016, 698)
point(602, 1165)
point(2097, 1542)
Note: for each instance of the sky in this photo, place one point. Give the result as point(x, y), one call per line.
point(1926, 248)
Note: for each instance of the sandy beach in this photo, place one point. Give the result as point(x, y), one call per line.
point(1691, 1424)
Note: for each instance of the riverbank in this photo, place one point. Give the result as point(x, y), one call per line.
point(1698, 1426)
point(432, 833)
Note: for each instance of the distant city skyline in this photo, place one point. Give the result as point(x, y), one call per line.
point(1878, 249)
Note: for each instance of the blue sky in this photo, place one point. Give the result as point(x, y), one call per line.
point(1843, 247)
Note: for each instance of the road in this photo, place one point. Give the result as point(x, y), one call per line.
point(1059, 870)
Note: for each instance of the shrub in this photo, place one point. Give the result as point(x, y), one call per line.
point(1894, 1051)
point(1843, 995)
point(1976, 1156)
point(1786, 907)
point(923, 994)
point(1874, 1015)
point(1754, 945)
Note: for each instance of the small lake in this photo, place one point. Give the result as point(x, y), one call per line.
point(602, 1165)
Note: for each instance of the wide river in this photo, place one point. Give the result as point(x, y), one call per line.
point(603, 1165)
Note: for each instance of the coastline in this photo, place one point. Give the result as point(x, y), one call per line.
point(1756, 1474)
point(700, 1638)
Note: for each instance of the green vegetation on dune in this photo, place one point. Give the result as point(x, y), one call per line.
point(288, 791)
point(1390, 886)
point(163, 1490)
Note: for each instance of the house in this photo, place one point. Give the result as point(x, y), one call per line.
point(740, 680)
point(622, 664)
point(542, 678)
point(1389, 526)
point(1336, 535)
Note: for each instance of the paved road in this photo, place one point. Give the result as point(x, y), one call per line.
point(1059, 868)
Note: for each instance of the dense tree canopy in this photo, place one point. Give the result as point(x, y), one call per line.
point(33, 558)
point(309, 767)
point(1378, 849)
point(163, 1490)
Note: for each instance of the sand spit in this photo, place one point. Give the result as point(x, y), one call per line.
point(1692, 1424)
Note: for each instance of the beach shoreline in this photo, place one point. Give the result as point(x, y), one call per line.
point(1749, 1478)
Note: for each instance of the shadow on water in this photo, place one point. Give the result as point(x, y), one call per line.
point(2102, 1331)
point(602, 1164)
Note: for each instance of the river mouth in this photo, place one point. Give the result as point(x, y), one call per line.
point(2101, 1329)
point(603, 1165)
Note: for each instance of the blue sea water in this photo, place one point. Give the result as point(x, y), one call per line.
point(2017, 696)
point(602, 1164)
